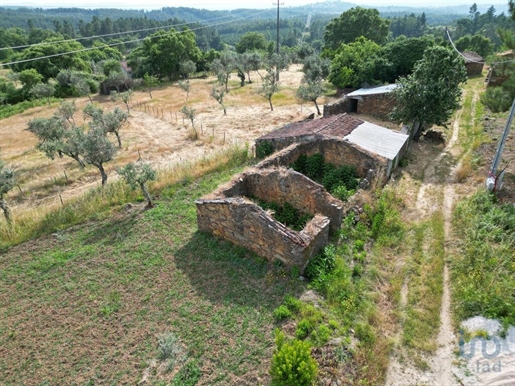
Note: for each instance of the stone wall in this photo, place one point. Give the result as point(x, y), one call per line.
point(335, 151)
point(340, 107)
point(474, 68)
point(376, 105)
point(229, 213)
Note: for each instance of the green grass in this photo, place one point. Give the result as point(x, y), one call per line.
point(425, 274)
point(348, 276)
point(88, 304)
point(10, 110)
point(483, 272)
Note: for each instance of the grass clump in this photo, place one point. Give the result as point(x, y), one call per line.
point(483, 272)
point(292, 363)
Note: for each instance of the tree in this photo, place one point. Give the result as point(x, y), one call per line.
point(110, 122)
point(51, 65)
point(162, 52)
point(218, 94)
point(43, 90)
point(315, 71)
point(190, 113)
point(355, 64)
point(97, 150)
point(269, 86)
point(7, 182)
point(432, 92)
point(150, 82)
point(476, 43)
point(185, 86)
point(67, 110)
point(186, 68)
point(354, 23)
point(223, 66)
point(137, 174)
point(116, 79)
point(55, 137)
point(125, 97)
point(29, 78)
point(251, 41)
point(403, 53)
point(250, 61)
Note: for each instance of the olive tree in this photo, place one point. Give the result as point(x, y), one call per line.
point(137, 174)
point(98, 150)
point(218, 94)
point(43, 90)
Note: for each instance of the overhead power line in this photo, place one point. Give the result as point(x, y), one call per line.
point(113, 34)
point(121, 43)
point(470, 59)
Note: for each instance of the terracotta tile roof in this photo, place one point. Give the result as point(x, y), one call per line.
point(339, 125)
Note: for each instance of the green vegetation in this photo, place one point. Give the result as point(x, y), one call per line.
point(345, 274)
point(292, 364)
point(7, 111)
point(286, 214)
point(425, 274)
point(97, 203)
point(340, 181)
point(482, 273)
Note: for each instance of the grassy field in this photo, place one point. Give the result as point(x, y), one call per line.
point(87, 305)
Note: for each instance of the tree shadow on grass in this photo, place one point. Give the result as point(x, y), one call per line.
point(223, 272)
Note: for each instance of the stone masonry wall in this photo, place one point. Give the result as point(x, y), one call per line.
point(230, 214)
point(335, 151)
point(339, 107)
point(376, 105)
point(244, 223)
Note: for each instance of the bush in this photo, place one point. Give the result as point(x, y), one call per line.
point(322, 263)
point(304, 327)
point(292, 363)
point(292, 303)
point(321, 335)
point(282, 312)
point(264, 149)
point(337, 180)
point(496, 99)
point(286, 214)
point(189, 375)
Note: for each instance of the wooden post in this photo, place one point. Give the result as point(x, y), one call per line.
point(65, 176)
point(61, 198)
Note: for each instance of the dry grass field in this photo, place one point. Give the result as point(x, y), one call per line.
point(156, 131)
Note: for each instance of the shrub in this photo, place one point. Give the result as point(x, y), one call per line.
point(321, 335)
point(292, 303)
point(264, 149)
point(496, 99)
point(282, 312)
point(340, 180)
point(286, 214)
point(320, 266)
point(292, 363)
point(304, 327)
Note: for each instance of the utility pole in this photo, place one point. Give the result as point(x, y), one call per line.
point(494, 180)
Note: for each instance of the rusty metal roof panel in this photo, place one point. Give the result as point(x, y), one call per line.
point(338, 125)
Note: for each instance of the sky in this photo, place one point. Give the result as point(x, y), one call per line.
point(225, 4)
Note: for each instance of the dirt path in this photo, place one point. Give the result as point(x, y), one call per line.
point(436, 194)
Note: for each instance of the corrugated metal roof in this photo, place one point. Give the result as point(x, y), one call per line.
point(378, 139)
point(333, 126)
point(372, 90)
